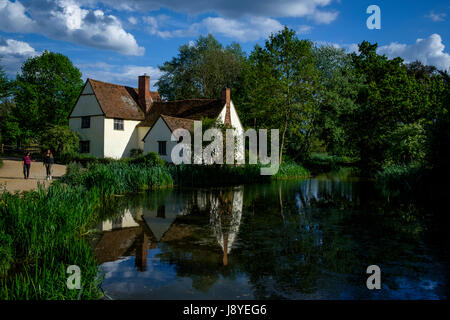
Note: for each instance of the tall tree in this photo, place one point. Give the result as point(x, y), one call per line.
point(5, 84)
point(201, 70)
point(341, 85)
point(45, 92)
point(389, 98)
point(283, 88)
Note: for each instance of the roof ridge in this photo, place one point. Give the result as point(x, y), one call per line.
point(167, 116)
point(117, 85)
point(194, 99)
point(111, 84)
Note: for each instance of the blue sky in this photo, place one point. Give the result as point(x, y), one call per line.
point(117, 40)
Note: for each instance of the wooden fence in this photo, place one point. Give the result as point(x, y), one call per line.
point(20, 150)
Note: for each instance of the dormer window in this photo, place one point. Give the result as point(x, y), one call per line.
point(118, 124)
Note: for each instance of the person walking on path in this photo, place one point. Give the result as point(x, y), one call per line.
point(48, 162)
point(26, 162)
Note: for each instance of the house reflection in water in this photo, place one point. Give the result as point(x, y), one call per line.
point(226, 213)
point(140, 229)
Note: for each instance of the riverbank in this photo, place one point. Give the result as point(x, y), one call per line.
point(42, 231)
point(11, 176)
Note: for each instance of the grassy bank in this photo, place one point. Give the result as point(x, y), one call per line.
point(117, 177)
point(41, 234)
point(318, 163)
point(1, 163)
point(126, 177)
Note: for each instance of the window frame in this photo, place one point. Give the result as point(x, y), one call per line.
point(119, 124)
point(85, 143)
point(83, 124)
point(162, 146)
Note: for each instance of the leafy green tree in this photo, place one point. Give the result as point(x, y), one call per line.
point(438, 133)
point(389, 97)
point(283, 89)
point(406, 144)
point(201, 70)
point(60, 140)
point(5, 84)
point(341, 85)
point(45, 93)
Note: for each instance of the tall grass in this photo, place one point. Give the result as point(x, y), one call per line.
point(41, 235)
point(323, 163)
point(117, 177)
point(127, 177)
point(291, 170)
point(394, 180)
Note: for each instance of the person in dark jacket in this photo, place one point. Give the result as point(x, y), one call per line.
point(48, 162)
point(26, 162)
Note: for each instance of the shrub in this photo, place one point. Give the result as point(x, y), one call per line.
point(60, 139)
point(134, 153)
point(150, 159)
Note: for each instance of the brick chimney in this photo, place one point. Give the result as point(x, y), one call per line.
point(144, 92)
point(226, 98)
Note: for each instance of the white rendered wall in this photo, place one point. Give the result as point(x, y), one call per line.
point(94, 134)
point(239, 129)
point(159, 132)
point(118, 143)
point(142, 131)
point(87, 105)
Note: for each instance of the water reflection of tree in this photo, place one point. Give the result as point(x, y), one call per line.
point(292, 237)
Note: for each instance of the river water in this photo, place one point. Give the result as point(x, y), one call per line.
point(306, 239)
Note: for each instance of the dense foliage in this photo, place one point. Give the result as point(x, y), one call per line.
point(44, 94)
point(201, 70)
point(362, 106)
point(41, 234)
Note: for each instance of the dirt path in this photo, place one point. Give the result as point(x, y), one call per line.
point(11, 175)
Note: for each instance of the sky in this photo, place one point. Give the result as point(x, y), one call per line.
point(118, 40)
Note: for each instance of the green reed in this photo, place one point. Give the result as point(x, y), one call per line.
point(43, 231)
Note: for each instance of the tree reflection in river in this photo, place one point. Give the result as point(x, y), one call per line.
point(291, 240)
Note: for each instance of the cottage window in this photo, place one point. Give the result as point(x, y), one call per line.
point(118, 124)
point(84, 146)
point(85, 122)
point(162, 148)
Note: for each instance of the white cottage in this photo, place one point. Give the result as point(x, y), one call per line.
point(111, 120)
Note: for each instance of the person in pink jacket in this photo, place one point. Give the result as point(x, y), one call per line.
point(26, 162)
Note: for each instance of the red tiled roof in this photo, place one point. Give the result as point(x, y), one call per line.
point(118, 101)
point(178, 123)
point(193, 109)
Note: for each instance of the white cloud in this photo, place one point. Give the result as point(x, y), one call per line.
point(133, 20)
point(312, 9)
point(13, 53)
point(429, 51)
point(436, 17)
point(66, 20)
point(13, 17)
point(304, 29)
point(252, 28)
point(125, 75)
